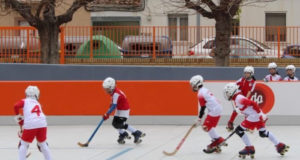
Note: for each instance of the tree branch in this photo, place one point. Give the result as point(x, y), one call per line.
point(199, 9)
point(49, 12)
point(234, 7)
point(40, 7)
point(24, 10)
point(212, 6)
point(68, 15)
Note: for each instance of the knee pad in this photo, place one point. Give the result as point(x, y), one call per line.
point(119, 123)
point(23, 143)
point(42, 145)
point(240, 131)
point(264, 134)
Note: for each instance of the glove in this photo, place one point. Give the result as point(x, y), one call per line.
point(105, 116)
point(230, 126)
point(19, 120)
point(262, 117)
point(198, 122)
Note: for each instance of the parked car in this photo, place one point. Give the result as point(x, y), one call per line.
point(241, 53)
point(142, 46)
point(202, 49)
point(291, 51)
point(103, 47)
point(19, 47)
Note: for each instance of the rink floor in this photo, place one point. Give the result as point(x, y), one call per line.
point(63, 144)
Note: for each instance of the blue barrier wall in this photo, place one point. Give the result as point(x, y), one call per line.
point(99, 72)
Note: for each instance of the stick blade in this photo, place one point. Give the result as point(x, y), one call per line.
point(169, 154)
point(83, 144)
point(28, 154)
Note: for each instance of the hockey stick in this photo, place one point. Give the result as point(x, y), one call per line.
point(92, 136)
point(181, 142)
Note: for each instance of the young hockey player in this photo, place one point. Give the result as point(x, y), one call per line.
point(290, 72)
point(33, 124)
point(274, 75)
point(207, 100)
point(254, 118)
point(120, 103)
point(246, 86)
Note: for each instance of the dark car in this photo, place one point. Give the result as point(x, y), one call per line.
point(143, 46)
point(291, 51)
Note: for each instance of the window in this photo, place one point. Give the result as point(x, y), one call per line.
point(235, 27)
point(115, 33)
point(246, 44)
point(210, 44)
point(275, 26)
point(178, 27)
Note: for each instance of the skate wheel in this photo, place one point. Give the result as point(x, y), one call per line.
point(128, 137)
point(143, 135)
point(138, 142)
point(242, 156)
point(225, 144)
point(287, 147)
point(252, 156)
point(218, 150)
point(121, 142)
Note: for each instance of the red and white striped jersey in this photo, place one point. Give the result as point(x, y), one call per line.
point(33, 114)
point(247, 107)
point(276, 77)
point(206, 98)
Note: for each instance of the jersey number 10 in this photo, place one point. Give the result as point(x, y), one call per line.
point(36, 109)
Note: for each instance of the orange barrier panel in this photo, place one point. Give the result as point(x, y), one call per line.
point(88, 97)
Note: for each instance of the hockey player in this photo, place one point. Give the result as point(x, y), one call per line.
point(254, 118)
point(246, 86)
point(207, 100)
point(120, 103)
point(274, 75)
point(290, 72)
point(33, 124)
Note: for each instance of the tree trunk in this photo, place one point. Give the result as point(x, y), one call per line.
point(223, 33)
point(49, 33)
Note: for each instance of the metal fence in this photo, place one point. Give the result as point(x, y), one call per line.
point(89, 43)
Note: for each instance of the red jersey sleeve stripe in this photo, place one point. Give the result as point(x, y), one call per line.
point(18, 106)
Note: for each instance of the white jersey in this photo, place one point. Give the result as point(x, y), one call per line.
point(270, 78)
point(247, 107)
point(287, 78)
point(33, 114)
point(206, 98)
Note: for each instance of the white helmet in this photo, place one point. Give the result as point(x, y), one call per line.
point(291, 67)
point(229, 90)
point(272, 65)
point(109, 83)
point(32, 92)
point(196, 81)
point(249, 69)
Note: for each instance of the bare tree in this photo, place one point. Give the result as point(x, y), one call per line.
point(223, 13)
point(43, 17)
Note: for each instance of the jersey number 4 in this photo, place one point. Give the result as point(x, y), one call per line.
point(36, 109)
